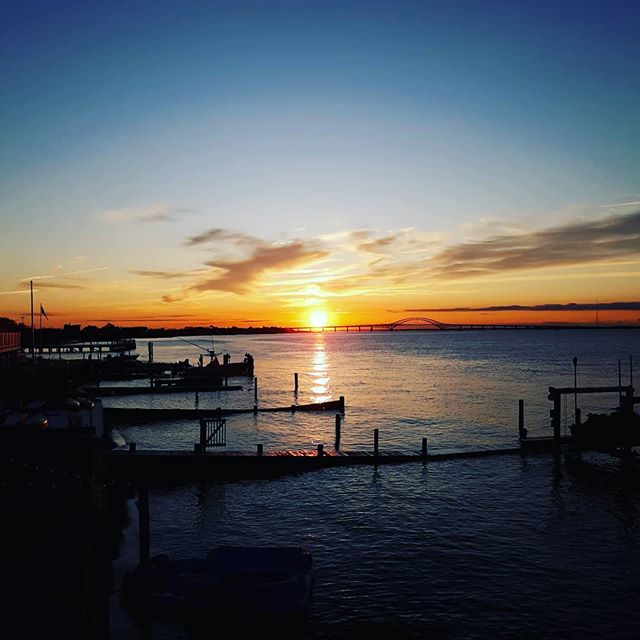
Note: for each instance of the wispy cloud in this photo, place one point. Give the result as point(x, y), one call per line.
point(79, 271)
point(168, 275)
point(152, 213)
point(606, 240)
point(238, 276)
point(57, 285)
point(222, 235)
point(16, 292)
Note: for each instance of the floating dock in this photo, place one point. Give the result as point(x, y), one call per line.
point(124, 416)
point(156, 390)
point(151, 466)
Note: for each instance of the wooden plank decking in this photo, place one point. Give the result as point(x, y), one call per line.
point(153, 466)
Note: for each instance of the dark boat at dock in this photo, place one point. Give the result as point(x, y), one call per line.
point(608, 432)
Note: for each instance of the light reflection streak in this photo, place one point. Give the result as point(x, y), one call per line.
point(319, 371)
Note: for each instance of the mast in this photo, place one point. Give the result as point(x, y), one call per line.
point(33, 329)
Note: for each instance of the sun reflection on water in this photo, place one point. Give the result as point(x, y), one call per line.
point(320, 371)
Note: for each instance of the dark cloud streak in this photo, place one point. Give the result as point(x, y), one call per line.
point(606, 240)
point(569, 306)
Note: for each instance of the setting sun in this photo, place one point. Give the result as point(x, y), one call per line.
point(318, 318)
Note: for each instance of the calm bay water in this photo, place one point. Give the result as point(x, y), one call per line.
point(499, 547)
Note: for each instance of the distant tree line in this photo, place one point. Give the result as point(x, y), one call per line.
point(114, 332)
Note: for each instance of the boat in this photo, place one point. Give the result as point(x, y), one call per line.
point(604, 432)
point(251, 583)
point(214, 372)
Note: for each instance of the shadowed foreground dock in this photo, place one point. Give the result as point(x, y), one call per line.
point(157, 465)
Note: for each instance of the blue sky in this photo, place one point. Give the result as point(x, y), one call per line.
point(297, 119)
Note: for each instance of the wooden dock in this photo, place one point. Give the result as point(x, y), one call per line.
point(98, 392)
point(153, 466)
point(124, 416)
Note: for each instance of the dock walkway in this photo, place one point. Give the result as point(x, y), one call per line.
point(165, 466)
point(127, 416)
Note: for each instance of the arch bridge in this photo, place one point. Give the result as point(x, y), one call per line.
point(416, 321)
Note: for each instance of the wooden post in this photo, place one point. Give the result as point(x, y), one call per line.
point(320, 450)
point(203, 433)
point(132, 447)
point(260, 449)
point(338, 421)
point(342, 403)
point(376, 441)
point(255, 409)
point(578, 416)
point(619, 382)
point(143, 525)
point(295, 381)
point(424, 448)
point(575, 384)
point(255, 390)
point(556, 414)
point(522, 432)
point(197, 398)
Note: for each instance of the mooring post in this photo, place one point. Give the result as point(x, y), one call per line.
point(143, 525)
point(578, 416)
point(197, 398)
point(424, 448)
point(376, 441)
point(132, 447)
point(619, 382)
point(522, 432)
point(556, 414)
point(342, 404)
point(255, 390)
point(338, 428)
point(295, 381)
point(260, 449)
point(320, 450)
point(255, 409)
point(203, 433)
point(150, 348)
point(575, 385)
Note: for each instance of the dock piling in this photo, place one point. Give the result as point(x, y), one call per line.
point(143, 525)
point(132, 447)
point(255, 390)
point(295, 382)
point(522, 432)
point(376, 441)
point(260, 449)
point(424, 448)
point(320, 450)
point(338, 429)
point(342, 403)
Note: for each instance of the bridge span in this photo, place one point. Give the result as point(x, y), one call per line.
point(422, 324)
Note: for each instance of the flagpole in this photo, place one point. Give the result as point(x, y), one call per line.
point(40, 330)
point(33, 329)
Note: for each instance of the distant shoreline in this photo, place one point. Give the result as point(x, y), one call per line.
point(111, 332)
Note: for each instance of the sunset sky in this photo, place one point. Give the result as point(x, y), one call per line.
point(250, 163)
